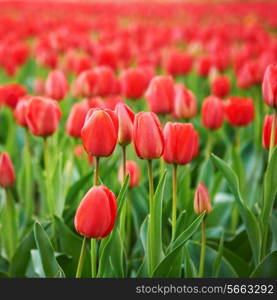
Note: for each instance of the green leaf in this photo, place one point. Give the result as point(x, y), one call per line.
point(107, 245)
point(217, 262)
point(273, 225)
point(270, 188)
point(190, 270)
point(166, 265)
point(49, 262)
point(250, 221)
point(21, 257)
point(70, 244)
point(267, 267)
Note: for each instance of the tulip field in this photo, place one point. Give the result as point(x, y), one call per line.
point(138, 139)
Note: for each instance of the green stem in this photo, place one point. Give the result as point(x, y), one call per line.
point(174, 200)
point(81, 258)
point(209, 145)
point(93, 253)
point(124, 208)
point(151, 248)
point(272, 136)
point(96, 171)
point(48, 178)
point(203, 250)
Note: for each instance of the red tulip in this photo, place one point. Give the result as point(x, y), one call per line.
point(160, 94)
point(56, 85)
point(39, 87)
point(7, 174)
point(148, 136)
point(212, 112)
point(249, 74)
point(106, 81)
point(125, 121)
point(11, 93)
point(43, 116)
point(85, 84)
point(180, 143)
point(239, 111)
point(133, 83)
point(221, 86)
point(76, 119)
point(100, 131)
point(267, 128)
point(185, 104)
point(269, 86)
point(202, 202)
point(96, 214)
point(178, 63)
point(132, 169)
point(20, 111)
point(203, 66)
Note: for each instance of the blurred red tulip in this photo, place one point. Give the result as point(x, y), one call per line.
point(132, 169)
point(20, 111)
point(125, 121)
point(96, 214)
point(106, 81)
point(100, 131)
point(221, 86)
point(239, 111)
point(160, 95)
point(11, 93)
point(56, 85)
point(85, 85)
point(7, 174)
point(269, 86)
point(178, 63)
point(212, 112)
point(180, 143)
point(185, 104)
point(43, 116)
point(202, 202)
point(39, 87)
point(148, 136)
point(203, 66)
point(267, 128)
point(76, 118)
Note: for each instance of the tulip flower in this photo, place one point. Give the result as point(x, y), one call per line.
point(202, 204)
point(39, 87)
point(239, 111)
point(77, 118)
point(185, 104)
point(106, 81)
point(178, 63)
point(11, 93)
point(20, 111)
point(95, 219)
point(132, 169)
point(267, 129)
point(160, 95)
point(43, 116)
point(100, 132)
point(85, 85)
point(133, 83)
point(181, 143)
point(7, 174)
point(269, 86)
point(221, 86)
point(212, 112)
point(56, 85)
point(203, 66)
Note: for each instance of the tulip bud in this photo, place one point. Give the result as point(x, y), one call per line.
point(106, 81)
point(7, 174)
point(269, 86)
point(160, 95)
point(125, 122)
point(239, 111)
point(180, 143)
point(20, 111)
point(85, 84)
point(43, 116)
point(212, 112)
point(96, 214)
point(178, 63)
point(221, 86)
point(56, 85)
point(202, 202)
point(148, 136)
point(11, 93)
point(39, 87)
point(100, 131)
point(133, 83)
point(267, 128)
point(185, 104)
point(203, 66)
point(133, 170)
point(76, 119)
